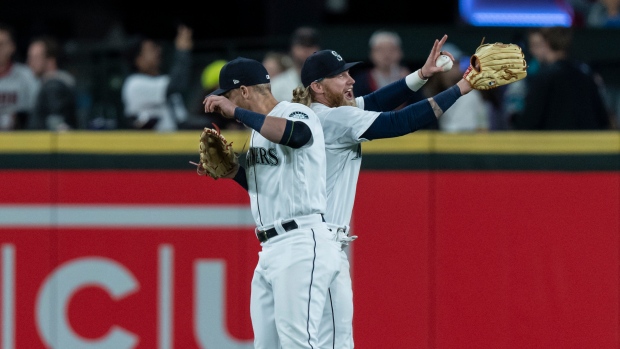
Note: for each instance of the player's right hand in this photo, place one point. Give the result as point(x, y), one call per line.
point(220, 105)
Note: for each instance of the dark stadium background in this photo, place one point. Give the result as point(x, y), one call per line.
point(92, 20)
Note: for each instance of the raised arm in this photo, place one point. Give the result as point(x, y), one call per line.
point(294, 134)
point(415, 116)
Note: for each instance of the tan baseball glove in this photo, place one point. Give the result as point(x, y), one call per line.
point(217, 158)
point(495, 65)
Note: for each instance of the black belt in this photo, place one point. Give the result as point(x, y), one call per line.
point(264, 235)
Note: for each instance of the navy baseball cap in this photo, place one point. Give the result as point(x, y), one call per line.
point(323, 64)
point(241, 71)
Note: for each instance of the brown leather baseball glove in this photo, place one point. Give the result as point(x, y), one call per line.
point(217, 158)
point(495, 65)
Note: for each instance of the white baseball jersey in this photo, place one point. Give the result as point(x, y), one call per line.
point(144, 96)
point(18, 92)
point(297, 268)
point(342, 128)
point(284, 182)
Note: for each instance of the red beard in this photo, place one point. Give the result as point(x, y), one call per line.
point(336, 99)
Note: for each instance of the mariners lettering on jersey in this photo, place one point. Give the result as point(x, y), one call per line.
point(262, 156)
point(298, 115)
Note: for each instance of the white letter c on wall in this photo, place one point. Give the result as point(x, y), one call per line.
point(56, 293)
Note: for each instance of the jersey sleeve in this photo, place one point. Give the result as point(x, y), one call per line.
point(299, 112)
point(343, 126)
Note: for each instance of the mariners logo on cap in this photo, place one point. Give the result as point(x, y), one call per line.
point(338, 57)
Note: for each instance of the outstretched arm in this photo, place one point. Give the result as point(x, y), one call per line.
point(415, 116)
point(393, 95)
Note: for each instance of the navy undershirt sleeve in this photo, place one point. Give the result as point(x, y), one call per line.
point(399, 123)
point(241, 178)
point(388, 97)
point(296, 134)
point(446, 99)
point(411, 118)
point(249, 118)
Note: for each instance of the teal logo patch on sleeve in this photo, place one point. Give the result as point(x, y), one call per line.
point(298, 115)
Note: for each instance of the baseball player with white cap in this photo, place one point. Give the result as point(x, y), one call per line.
point(284, 174)
point(347, 122)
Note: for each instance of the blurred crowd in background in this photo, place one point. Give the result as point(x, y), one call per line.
point(159, 85)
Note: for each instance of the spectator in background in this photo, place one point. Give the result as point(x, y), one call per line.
point(56, 105)
point(470, 113)
point(18, 85)
point(513, 96)
point(153, 100)
point(564, 94)
point(386, 57)
point(276, 63)
point(304, 42)
point(513, 100)
point(580, 9)
point(604, 14)
point(494, 102)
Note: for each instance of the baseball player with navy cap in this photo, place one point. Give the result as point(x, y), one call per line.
point(348, 122)
point(324, 64)
point(240, 71)
point(284, 175)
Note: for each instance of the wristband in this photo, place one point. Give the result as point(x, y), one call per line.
point(414, 82)
point(249, 118)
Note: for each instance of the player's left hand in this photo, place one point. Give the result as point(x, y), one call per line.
point(217, 158)
point(220, 105)
point(430, 68)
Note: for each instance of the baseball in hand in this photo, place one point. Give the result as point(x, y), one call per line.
point(445, 62)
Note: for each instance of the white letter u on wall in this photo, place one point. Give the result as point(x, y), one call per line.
point(209, 309)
